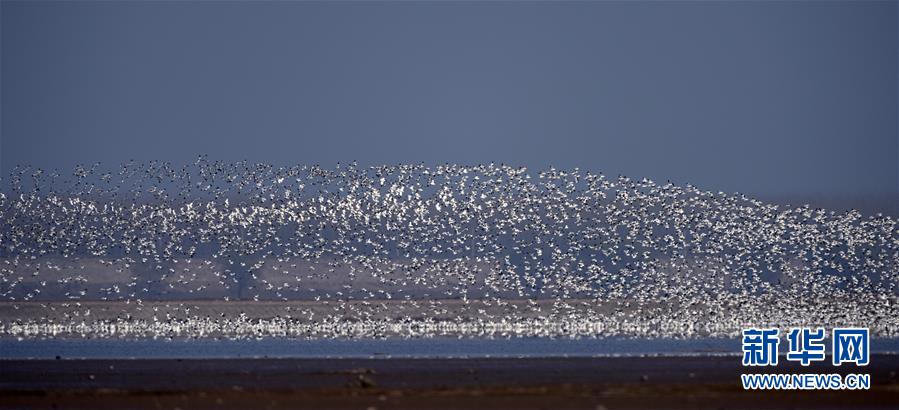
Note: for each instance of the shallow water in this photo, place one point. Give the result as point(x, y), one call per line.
point(377, 348)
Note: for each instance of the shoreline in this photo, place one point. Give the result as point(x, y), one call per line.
point(390, 348)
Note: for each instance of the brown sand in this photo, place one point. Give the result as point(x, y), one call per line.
point(551, 383)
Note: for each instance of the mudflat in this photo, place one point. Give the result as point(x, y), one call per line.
point(688, 382)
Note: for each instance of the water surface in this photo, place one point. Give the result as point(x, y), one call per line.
point(380, 348)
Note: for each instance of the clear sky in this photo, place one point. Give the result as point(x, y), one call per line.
point(762, 97)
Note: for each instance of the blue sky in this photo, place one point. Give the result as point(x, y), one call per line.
point(786, 98)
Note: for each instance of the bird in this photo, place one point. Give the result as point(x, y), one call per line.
point(411, 250)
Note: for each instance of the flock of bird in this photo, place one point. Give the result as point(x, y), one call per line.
point(467, 248)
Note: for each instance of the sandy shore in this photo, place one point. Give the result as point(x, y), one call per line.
point(589, 383)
